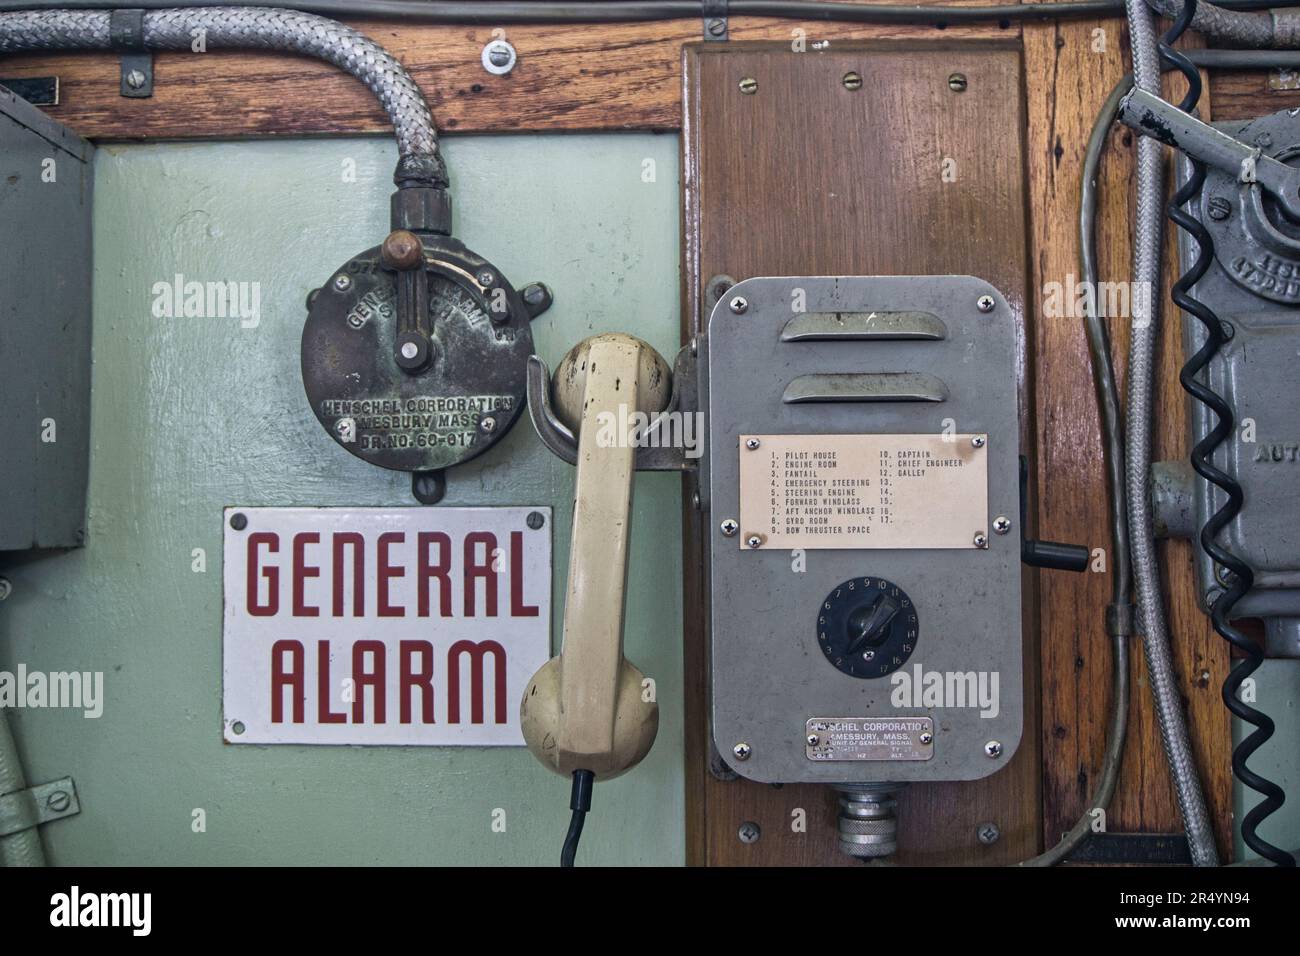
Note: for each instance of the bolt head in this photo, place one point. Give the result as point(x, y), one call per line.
point(752, 443)
point(988, 833)
point(535, 520)
point(981, 540)
point(926, 737)
point(717, 27)
point(239, 521)
point(754, 541)
point(742, 751)
point(486, 278)
point(410, 350)
point(499, 57)
point(852, 80)
point(985, 303)
point(813, 740)
point(488, 424)
point(1219, 208)
point(739, 305)
point(342, 283)
point(749, 832)
point(1001, 524)
point(749, 85)
point(993, 748)
point(957, 82)
point(135, 79)
point(58, 801)
point(6, 588)
point(729, 527)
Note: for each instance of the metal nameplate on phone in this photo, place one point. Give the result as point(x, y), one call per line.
point(869, 738)
point(863, 491)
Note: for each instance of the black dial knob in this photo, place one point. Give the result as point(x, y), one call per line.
point(867, 627)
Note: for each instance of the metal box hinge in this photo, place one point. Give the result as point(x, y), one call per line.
point(715, 21)
point(44, 803)
point(126, 35)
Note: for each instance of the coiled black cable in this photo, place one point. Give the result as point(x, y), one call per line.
point(1242, 578)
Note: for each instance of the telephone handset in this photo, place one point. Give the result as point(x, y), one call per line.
point(584, 713)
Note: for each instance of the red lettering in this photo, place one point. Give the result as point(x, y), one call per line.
point(421, 680)
point(438, 571)
point(476, 651)
point(386, 571)
point(358, 543)
point(302, 571)
point(323, 688)
point(272, 575)
point(517, 606)
point(475, 570)
point(290, 677)
point(373, 679)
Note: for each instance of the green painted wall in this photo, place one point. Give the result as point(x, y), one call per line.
point(190, 415)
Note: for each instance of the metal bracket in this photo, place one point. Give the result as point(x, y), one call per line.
point(44, 803)
point(37, 90)
point(1142, 849)
point(126, 36)
point(556, 436)
point(715, 21)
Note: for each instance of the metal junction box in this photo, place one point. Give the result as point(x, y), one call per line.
point(45, 272)
point(864, 550)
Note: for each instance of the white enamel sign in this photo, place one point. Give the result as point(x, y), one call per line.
point(417, 626)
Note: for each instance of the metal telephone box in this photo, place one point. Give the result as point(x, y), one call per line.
point(863, 493)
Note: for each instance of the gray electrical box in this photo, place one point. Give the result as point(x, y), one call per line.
point(863, 502)
point(45, 277)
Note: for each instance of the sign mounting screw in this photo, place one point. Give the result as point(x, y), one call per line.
point(729, 527)
point(1001, 524)
point(752, 443)
point(981, 539)
point(978, 441)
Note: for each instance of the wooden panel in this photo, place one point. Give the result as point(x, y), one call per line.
point(1245, 95)
point(579, 77)
point(1067, 80)
point(806, 177)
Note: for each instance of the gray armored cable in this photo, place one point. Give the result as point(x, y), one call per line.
point(257, 28)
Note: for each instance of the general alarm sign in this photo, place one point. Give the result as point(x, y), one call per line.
point(383, 625)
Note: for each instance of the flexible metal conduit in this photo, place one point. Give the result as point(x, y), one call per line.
point(500, 12)
point(24, 847)
point(256, 28)
point(1146, 570)
point(1265, 28)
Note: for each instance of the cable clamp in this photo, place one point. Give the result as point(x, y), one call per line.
point(1120, 619)
point(27, 809)
point(126, 36)
point(715, 20)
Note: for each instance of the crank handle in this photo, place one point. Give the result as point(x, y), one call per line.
point(1153, 116)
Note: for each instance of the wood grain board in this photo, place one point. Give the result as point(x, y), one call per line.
point(1018, 136)
point(806, 177)
point(577, 77)
point(1072, 503)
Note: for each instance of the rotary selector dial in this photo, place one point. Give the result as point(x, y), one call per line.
point(867, 627)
